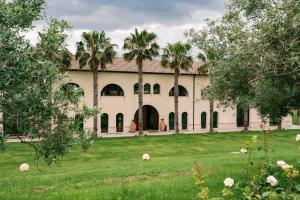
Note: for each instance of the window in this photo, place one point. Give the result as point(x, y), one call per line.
point(104, 123)
point(240, 118)
point(182, 91)
point(79, 121)
point(147, 88)
point(119, 122)
point(203, 120)
point(171, 121)
point(112, 90)
point(215, 119)
point(156, 89)
point(184, 120)
point(69, 87)
point(136, 88)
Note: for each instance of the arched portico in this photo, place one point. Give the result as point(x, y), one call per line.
point(150, 118)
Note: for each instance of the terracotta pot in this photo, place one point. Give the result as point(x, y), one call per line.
point(162, 126)
point(132, 126)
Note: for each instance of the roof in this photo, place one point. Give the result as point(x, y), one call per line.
point(120, 65)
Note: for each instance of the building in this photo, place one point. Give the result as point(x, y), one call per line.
point(118, 99)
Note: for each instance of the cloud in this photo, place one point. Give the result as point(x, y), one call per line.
point(122, 14)
point(169, 19)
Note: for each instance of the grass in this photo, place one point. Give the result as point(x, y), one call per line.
point(113, 169)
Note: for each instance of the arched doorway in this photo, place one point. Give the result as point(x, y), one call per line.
point(171, 121)
point(104, 123)
point(150, 118)
point(184, 116)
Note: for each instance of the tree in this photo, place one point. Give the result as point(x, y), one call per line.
point(140, 46)
point(95, 50)
point(256, 56)
point(222, 42)
point(55, 47)
point(205, 70)
point(30, 83)
point(177, 57)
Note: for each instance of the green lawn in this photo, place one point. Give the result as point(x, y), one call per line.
point(113, 169)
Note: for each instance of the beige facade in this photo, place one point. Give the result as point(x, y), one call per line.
point(127, 105)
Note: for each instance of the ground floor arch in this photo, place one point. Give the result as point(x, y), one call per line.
point(150, 118)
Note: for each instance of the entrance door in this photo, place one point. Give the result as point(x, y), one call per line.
point(150, 118)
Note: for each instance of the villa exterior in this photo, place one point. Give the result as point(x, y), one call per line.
point(118, 99)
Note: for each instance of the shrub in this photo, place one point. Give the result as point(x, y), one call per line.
point(86, 140)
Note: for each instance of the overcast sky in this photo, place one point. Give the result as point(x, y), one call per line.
point(167, 18)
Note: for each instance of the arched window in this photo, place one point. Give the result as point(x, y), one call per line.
point(182, 91)
point(184, 116)
point(112, 90)
point(104, 123)
point(215, 119)
point(203, 120)
point(136, 88)
point(156, 89)
point(70, 87)
point(119, 122)
point(171, 121)
point(79, 121)
point(147, 88)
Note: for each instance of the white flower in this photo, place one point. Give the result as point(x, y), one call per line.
point(298, 137)
point(24, 167)
point(280, 163)
point(286, 166)
point(146, 156)
point(243, 150)
point(272, 180)
point(228, 182)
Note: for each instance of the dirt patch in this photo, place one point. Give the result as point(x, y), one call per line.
point(40, 190)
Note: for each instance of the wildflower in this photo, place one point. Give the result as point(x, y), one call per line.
point(146, 156)
point(280, 163)
point(272, 180)
point(298, 137)
point(24, 167)
point(286, 167)
point(228, 182)
point(243, 150)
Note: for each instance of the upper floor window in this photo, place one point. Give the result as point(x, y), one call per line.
point(156, 89)
point(72, 87)
point(147, 88)
point(136, 88)
point(182, 91)
point(112, 90)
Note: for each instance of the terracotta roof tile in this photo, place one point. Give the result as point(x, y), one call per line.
point(120, 65)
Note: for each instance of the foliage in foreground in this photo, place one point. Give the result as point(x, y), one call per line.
point(270, 181)
point(32, 95)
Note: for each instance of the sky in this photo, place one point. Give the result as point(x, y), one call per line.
point(169, 19)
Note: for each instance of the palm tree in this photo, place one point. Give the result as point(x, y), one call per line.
point(140, 46)
point(177, 56)
point(205, 70)
point(95, 50)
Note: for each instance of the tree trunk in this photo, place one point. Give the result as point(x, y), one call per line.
point(279, 126)
point(246, 118)
point(95, 100)
point(211, 112)
point(140, 74)
point(298, 117)
point(176, 91)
